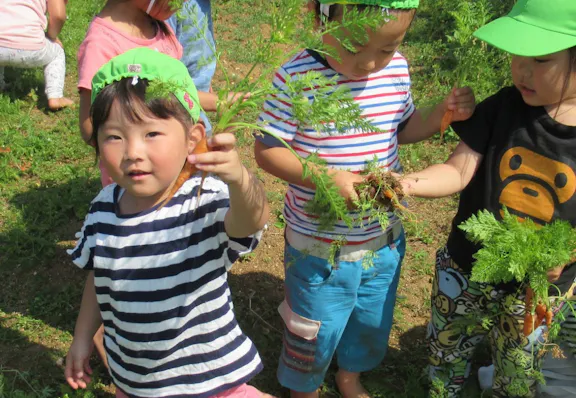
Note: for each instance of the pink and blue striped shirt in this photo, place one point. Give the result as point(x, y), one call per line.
point(384, 98)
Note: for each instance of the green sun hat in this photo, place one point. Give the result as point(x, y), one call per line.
point(395, 4)
point(533, 28)
point(145, 63)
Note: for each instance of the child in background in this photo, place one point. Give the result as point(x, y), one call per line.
point(345, 309)
point(194, 30)
point(24, 44)
point(158, 274)
point(119, 27)
point(518, 150)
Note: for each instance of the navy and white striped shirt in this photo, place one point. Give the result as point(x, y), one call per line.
point(161, 283)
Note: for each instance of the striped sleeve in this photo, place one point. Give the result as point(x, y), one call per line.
point(276, 115)
point(83, 253)
point(235, 247)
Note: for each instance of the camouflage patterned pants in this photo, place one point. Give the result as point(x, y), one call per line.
point(458, 306)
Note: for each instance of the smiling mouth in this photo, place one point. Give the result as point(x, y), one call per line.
point(137, 174)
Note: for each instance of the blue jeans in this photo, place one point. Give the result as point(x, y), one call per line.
point(344, 309)
point(194, 30)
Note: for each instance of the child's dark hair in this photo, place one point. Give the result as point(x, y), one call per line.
point(131, 100)
point(337, 10)
point(571, 70)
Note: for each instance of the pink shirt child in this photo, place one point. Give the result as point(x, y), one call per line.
point(103, 42)
point(23, 24)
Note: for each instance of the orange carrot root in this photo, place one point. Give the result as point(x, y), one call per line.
point(549, 316)
point(529, 315)
point(540, 314)
point(187, 171)
point(446, 121)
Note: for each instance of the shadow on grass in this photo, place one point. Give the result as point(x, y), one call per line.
point(38, 278)
point(25, 84)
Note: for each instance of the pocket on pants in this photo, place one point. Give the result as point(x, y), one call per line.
point(304, 268)
point(300, 339)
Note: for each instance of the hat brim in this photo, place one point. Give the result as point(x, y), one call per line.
point(519, 38)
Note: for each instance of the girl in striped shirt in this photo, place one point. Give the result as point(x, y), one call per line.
point(158, 265)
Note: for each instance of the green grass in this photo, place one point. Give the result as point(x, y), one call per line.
point(48, 179)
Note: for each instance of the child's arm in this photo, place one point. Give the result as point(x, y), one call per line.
point(85, 122)
point(248, 204)
point(57, 18)
point(77, 361)
point(424, 123)
point(280, 162)
point(445, 179)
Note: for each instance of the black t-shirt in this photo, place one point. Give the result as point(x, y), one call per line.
point(528, 165)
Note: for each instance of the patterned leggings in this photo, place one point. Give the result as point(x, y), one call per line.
point(51, 57)
point(454, 332)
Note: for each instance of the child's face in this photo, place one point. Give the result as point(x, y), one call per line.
point(160, 10)
point(541, 79)
point(145, 157)
point(376, 54)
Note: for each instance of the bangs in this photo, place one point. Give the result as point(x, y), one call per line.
point(131, 101)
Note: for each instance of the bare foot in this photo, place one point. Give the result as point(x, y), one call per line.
point(58, 103)
point(349, 385)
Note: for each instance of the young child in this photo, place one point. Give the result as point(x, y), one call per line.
point(519, 151)
point(120, 26)
point(25, 44)
point(157, 274)
point(344, 309)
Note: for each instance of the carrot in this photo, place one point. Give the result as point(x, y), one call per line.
point(528, 323)
point(541, 314)
point(529, 315)
point(549, 316)
point(389, 193)
point(187, 171)
point(446, 121)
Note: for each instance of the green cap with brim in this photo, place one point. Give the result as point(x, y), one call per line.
point(533, 28)
point(145, 63)
point(394, 4)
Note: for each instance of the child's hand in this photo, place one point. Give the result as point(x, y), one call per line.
point(554, 274)
point(462, 102)
point(77, 364)
point(345, 181)
point(222, 159)
point(233, 97)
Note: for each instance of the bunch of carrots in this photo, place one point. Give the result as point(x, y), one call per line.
point(535, 314)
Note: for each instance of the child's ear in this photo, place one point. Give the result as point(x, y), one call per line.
point(195, 135)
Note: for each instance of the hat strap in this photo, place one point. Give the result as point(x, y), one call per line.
point(150, 6)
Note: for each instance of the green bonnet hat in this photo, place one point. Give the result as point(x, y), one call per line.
point(145, 63)
point(533, 28)
point(394, 4)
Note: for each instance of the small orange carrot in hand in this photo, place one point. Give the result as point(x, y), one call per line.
point(529, 315)
point(446, 121)
point(187, 171)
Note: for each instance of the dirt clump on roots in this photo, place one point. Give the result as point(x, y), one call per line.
point(382, 189)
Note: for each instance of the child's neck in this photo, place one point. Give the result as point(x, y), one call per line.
point(129, 19)
point(564, 113)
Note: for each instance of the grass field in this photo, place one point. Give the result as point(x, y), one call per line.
point(48, 178)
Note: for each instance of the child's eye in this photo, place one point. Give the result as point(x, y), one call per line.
point(112, 137)
point(541, 61)
point(153, 134)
